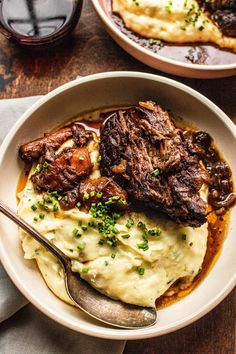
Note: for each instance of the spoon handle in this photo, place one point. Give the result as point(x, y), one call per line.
point(33, 232)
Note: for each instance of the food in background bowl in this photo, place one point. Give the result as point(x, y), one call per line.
point(184, 21)
point(188, 60)
point(138, 202)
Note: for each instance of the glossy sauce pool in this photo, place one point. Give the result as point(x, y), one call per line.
point(217, 229)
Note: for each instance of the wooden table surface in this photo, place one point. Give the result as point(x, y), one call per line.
point(91, 50)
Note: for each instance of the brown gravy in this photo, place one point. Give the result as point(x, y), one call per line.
point(197, 53)
point(217, 228)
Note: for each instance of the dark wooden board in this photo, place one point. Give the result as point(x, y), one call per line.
point(91, 50)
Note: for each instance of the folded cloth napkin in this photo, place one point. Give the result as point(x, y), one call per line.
point(28, 331)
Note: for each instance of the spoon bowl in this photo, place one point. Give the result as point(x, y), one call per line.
point(113, 312)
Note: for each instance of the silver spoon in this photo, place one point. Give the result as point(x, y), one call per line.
point(95, 304)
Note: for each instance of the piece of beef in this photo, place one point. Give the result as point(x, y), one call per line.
point(220, 184)
point(226, 21)
point(46, 146)
point(105, 190)
point(33, 150)
point(223, 13)
point(145, 153)
point(71, 198)
point(81, 136)
point(89, 191)
point(64, 173)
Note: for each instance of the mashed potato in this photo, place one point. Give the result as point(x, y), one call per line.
point(176, 21)
point(129, 271)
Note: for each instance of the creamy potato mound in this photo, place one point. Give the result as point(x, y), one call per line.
point(131, 271)
point(176, 21)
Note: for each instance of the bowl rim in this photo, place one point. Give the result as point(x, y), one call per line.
point(121, 334)
point(114, 29)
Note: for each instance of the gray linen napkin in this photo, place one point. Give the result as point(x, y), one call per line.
point(28, 331)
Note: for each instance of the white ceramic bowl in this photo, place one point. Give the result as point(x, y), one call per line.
point(89, 93)
point(156, 61)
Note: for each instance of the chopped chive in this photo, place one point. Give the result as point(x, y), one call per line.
point(106, 263)
point(86, 196)
point(129, 223)
point(71, 250)
point(156, 172)
point(113, 255)
point(154, 232)
point(144, 246)
point(115, 197)
point(80, 246)
point(99, 158)
point(38, 169)
point(184, 237)
point(125, 236)
point(99, 195)
point(92, 194)
point(55, 207)
point(41, 216)
point(191, 243)
point(76, 233)
point(91, 223)
point(140, 270)
point(78, 205)
point(33, 207)
point(101, 242)
point(115, 230)
point(115, 216)
point(122, 202)
point(45, 164)
point(85, 270)
point(54, 193)
point(35, 219)
point(84, 227)
point(141, 225)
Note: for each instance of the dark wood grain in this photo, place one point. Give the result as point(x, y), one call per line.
point(91, 50)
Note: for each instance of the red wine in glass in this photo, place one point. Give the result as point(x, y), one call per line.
point(38, 22)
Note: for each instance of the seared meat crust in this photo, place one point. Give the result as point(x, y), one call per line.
point(64, 172)
point(67, 172)
point(47, 145)
point(33, 150)
point(146, 154)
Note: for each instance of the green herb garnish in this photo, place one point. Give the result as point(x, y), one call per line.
point(184, 237)
point(81, 246)
point(129, 223)
point(85, 270)
point(140, 270)
point(86, 196)
point(144, 245)
point(156, 172)
point(38, 168)
point(125, 236)
point(76, 233)
point(45, 164)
